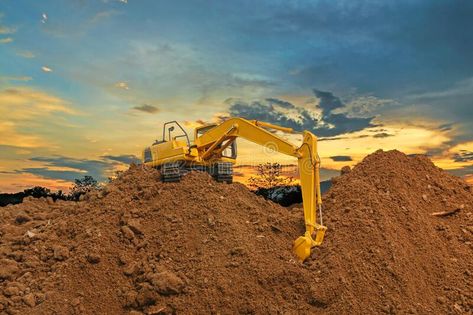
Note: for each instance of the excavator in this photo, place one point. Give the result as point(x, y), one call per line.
point(214, 150)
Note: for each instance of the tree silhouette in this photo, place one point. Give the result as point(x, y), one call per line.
point(37, 192)
point(269, 175)
point(82, 186)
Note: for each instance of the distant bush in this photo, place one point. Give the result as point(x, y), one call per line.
point(35, 192)
point(83, 186)
point(80, 187)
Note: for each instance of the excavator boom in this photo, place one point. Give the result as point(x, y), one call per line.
point(308, 162)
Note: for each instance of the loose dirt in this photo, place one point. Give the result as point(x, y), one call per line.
point(385, 251)
point(198, 246)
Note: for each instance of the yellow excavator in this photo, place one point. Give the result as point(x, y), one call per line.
point(214, 150)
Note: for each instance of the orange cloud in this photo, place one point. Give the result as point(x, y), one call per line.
point(10, 136)
point(12, 183)
point(21, 108)
point(407, 139)
point(446, 160)
point(27, 101)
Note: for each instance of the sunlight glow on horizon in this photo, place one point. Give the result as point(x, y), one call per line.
point(85, 92)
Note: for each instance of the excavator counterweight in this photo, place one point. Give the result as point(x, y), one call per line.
point(214, 151)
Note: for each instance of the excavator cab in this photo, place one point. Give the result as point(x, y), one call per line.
point(172, 130)
point(174, 145)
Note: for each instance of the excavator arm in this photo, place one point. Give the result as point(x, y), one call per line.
point(309, 173)
point(213, 142)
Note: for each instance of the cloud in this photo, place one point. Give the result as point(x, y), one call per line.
point(463, 156)
point(6, 40)
point(462, 171)
point(24, 112)
point(383, 135)
point(68, 168)
point(463, 87)
point(249, 79)
point(25, 54)
point(344, 57)
point(15, 181)
point(450, 105)
point(34, 102)
point(46, 173)
point(102, 16)
point(192, 124)
point(46, 69)
point(341, 158)
point(284, 104)
point(122, 85)
point(10, 78)
point(328, 102)
point(366, 105)
point(318, 118)
point(359, 136)
point(6, 30)
point(341, 122)
point(446, 127)
point(125, 159)
point(69, 25)
point(12, 137)
point(150, 109)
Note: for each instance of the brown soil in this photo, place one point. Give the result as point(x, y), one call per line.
point(385, 251)
point(142, 246)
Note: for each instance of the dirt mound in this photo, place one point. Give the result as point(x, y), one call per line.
point(385, 251)
point(142, 246)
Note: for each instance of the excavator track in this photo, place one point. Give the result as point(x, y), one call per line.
point(222, 172)
point(172, 172)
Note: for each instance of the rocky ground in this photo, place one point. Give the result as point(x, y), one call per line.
point(399, 241)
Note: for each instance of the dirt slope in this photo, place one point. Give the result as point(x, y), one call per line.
point(198, 246)
point(385, 251)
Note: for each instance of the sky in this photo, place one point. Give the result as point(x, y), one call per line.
point(86, 85)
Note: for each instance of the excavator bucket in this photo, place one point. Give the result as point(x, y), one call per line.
point(302, 246)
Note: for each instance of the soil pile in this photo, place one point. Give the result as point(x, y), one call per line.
point(140, 245)
point(385, 251)
point(198, 246)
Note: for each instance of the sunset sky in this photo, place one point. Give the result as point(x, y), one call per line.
point(85, 85)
